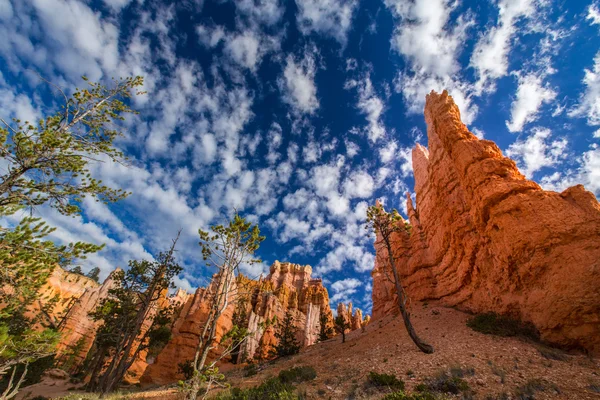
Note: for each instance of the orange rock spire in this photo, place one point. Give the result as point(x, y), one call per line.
point(484, 238)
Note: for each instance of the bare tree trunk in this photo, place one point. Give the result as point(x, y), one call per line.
point(12, 390)
point(423, 346)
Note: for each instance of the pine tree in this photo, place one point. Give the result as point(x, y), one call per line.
point(342, 325)
point(285, 333)
point(48, 163)
point(76, 270)
point(225, 247)
point(325, 330)
point(94, 274)
point(131, 304)
point(385, 225)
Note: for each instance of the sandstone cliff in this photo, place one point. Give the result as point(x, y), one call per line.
point(287, 287)
point(484, 238)
point(78, 330)
point(57, 295)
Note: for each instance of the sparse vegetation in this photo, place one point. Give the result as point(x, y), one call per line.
point(500, 325)
point(447, 382)
point(553, 354)
point(413, 396)
point(528, 390)
point(385, 380)
point(297, 374)
point(285, 332)
point(271, 389)
point(250, 370)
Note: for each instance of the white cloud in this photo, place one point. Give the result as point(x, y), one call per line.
point(352, 148)
point(244, 49)
point(210, 36)
point(371, 105)
point(117, 4)
point(594, 14)
point(537, 151)
point(531, 94)
point(327, 17)
point(490, 57)
point(344, 289)
point(589, 102)
point(298, 84)
point(478, 132)
point(359, 185)
point(589, 170)
point(268, 12)
point(431, 43)
point(6, 10)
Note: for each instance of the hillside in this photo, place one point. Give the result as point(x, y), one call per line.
point(501, 365)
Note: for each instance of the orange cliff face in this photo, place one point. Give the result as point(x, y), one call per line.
point(287, 287)
point(78, 330)
point(483, 238)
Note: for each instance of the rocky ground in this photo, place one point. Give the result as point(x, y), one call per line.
point(495, 367)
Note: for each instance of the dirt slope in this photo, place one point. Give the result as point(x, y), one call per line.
point(385, 347)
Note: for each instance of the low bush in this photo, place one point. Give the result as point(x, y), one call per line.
point(271, 389)
point(553, 354)
point(527, 391)
point(499, 325)
point(445, 382)
point(297, 374)
point(414, 396)
point(250, 370)
point(385, 380)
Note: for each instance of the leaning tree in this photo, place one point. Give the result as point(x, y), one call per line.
point(386, 225)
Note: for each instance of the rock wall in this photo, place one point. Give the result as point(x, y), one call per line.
point(484, 238)
point(287, 287)
point(78, 330)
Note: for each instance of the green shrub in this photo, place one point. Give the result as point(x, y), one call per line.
point(553, 354)
point(414, 396)
point(385, 380)
point(250, 370)
point(444, 382)
point(271, 389)
point(297, 374)
point(499, 325)
point(186, 368)
point(527, 391)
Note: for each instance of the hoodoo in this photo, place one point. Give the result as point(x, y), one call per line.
point(484, 238)
point(287, 287)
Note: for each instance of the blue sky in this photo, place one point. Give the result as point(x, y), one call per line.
point(301, 113)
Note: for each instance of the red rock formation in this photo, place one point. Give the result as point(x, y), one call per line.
point(484, 238)
point(287, 287)
point(354, 318)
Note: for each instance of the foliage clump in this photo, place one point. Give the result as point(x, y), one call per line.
point(297, 374)
point(500, 325)
point(271, 389)
point(447, 382)
point(400, 395)
point(385, 380)
point(325, 330)
point(527, 390)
